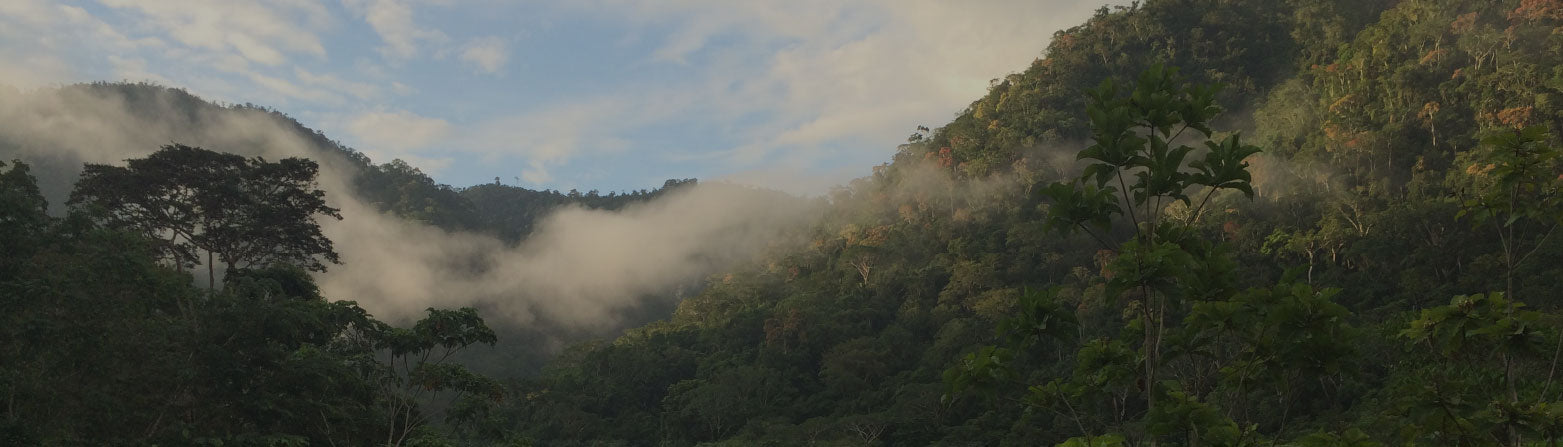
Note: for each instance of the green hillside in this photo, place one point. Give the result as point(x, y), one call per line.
point(936, 305)
point(1188, 223)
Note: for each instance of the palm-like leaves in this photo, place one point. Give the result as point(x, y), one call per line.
point(1223, 166)
point(1514, 176)
point(1135, 134)
point(1080, 207)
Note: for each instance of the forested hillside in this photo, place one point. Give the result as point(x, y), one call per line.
point(1187, 223)
point(1380, 273)
point(151, 296)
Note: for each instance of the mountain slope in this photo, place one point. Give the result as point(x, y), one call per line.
point(848, 343)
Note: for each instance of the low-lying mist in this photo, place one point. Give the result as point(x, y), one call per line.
point(579, 270)
point(579, 267)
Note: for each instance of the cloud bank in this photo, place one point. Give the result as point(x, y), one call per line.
point(581, 269)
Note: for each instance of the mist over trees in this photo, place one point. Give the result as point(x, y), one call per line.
point(406, 242)
point(110, 342)
point(1347, 285)
point(1187, 223)
point(241, 212)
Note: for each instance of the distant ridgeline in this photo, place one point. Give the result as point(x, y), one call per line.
point(106, 340)
point(55, 130)
point(1350, 243)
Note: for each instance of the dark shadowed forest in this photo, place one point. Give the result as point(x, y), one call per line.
point(1186, 223)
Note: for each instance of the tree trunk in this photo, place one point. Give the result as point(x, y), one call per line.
point(211, 274)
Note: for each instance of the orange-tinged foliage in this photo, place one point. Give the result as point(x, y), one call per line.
point(1532, 10)
point(1464, 24)
point(1517, 117)
point(1231, 229)
point(908, 212)
point(1479, 169)
point(1430, 109)
point(1341, 103)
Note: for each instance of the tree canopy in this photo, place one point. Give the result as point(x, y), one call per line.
point(245, 213)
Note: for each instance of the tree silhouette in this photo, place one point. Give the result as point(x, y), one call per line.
point(245, 213)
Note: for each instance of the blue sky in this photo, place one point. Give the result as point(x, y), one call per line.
point(591, 94)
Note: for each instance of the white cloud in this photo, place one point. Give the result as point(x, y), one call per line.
point(136, 68)
point(228, 50)
point(37, 36)
point(304, 87)
point(795, 177)
point(393, 21)
point(30, 12)
point(262, 32)
point(827, 74)
point(554, 135)
point(922, 62)
point(536, 172)
point(359, 90)
point(396, 132)
point(279, 85)
point(795, 83)
point(769, 82)
point(488, 54)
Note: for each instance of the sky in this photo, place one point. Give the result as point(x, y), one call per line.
point(611, 95)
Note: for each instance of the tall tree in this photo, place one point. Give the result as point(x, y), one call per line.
point(243, 212)
point(22, 214)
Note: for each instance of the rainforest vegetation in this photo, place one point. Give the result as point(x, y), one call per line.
point(1187, 223)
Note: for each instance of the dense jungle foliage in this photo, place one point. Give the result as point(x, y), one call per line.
point(109, 341)
point(1189, 223)
point(1380, 273)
